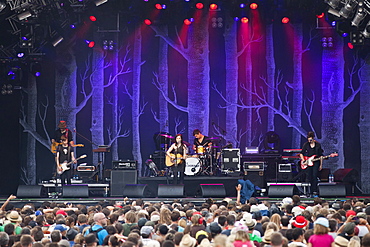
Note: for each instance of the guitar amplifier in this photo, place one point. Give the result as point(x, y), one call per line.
point(124, 164)
point(85, 168)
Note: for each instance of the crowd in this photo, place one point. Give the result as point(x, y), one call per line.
point(218, 224)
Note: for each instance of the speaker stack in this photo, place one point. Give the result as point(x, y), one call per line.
point(124, 172)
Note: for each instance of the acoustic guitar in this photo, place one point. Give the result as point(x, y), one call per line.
point(173, 159)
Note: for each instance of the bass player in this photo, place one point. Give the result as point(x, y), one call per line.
point(311, 148)
point(64, 154)
point(177, 153)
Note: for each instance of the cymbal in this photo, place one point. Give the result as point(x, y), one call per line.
point(215, 147)
point(167, 136)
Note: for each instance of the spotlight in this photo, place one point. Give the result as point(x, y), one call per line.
point(360, 15)
point(24, 15)
point(164, 6)
point(91, 44)
point(366, 32)
point(199, 5)
point(20, 54)
point(236, 18)
point(242, 5)
point(350, 46)
point(153, 167)
point(320, 15)
point(100, 2)
point(333, 3)
point(357, 38)
point(158, 6)
point(347, 9)
point(285, 20)
point(213, 6)
point(148, 22)
point(333, 23)
point(253, 6)
point(244, 20)
point(2, 6)
point(187, 22)
point(92, 18)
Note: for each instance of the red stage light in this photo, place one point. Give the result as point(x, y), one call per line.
point(158, 6)
point(285, 20)
point(253, 6)
point(91, 44)
point(320, 16)
point(92, 18)
point(350, 46)
point(148, 22)
point(187, 22)
point(244, 20)
point(213, 6)
point(199, 5)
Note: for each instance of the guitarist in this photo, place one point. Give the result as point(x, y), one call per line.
point(310, 148)
point(63, 131)
point(65, 154)
point(179, 149)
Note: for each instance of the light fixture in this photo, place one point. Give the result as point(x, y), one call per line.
point(2, 6)
point(366, 31)
point(24, 15)
point(57, 40)
point(100, 2)
point(360, 15)
point(333, 3)
point(153, 167)
point(347, 9)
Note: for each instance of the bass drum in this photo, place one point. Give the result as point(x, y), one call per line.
point(192, 166)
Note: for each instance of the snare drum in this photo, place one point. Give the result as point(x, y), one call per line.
point(200, 150)
point(192, 166)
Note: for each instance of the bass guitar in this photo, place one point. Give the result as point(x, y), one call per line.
point(173, 159)
point(54, 146)
point(66, 165)
point(308, 161)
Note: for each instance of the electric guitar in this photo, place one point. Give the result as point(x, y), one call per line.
point(308, 161)
point(173, 159)
point(66, 165)
point(54, 146)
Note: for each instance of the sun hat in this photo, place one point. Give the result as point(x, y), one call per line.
point(14, 216)
point(300, 221)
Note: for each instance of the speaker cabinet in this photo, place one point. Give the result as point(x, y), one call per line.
point(31, 191)
point(256, 177)
point(118, 180)
point(282, 190)
point(346, 175)
point(75, 191)
point(170, 190)
point(136, 190)
point(332, 190)
point(213, 190)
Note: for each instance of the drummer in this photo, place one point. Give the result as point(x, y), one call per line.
point(201, 142)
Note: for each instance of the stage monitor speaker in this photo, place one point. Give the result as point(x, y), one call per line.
point(213, 190)
point(256, 177)
point(170, 190)
point(31, 191)
point(118, 180)
point(346, 175)
point(281, 190)
point(75, 191)
point(332, 190)
point(136, 190)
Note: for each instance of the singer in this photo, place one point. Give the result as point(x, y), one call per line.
point(310, 148)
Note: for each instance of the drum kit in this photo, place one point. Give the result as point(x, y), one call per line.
point(204, 161)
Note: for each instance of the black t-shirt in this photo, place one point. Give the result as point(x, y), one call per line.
point(204, 142)
point(67, 133)
point(307, 150)
point(64, 153)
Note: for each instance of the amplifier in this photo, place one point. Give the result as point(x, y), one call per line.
point(253, 166)
point(285, 167)
point(85, 168)
point(124, 165)
point(231, 159)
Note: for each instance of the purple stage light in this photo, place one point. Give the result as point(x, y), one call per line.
point(20, 54)
point(333, 23)
point(37, 74)
point(24, 38)
point(236, 18)
point(344, 34)
point(242, 5)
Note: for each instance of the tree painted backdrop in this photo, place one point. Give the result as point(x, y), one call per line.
point(234, 81)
